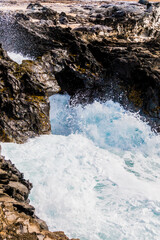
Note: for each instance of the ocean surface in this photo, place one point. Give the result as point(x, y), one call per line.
point(97, 176)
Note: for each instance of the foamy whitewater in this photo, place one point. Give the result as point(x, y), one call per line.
point(97, 176)
point(18, 57)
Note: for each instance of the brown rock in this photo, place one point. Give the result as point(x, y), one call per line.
point(17, 219)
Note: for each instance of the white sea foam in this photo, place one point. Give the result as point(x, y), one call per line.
point(97, 176)
point(18, 57)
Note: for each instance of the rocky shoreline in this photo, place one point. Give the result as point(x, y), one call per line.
point(17, 218)
point(91, 51)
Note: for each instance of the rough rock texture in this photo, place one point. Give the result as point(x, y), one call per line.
point(17, 218)
point(103, 51)
point(95, 51)
point(24, 100)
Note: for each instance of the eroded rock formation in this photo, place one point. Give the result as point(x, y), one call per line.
point(24, 100)
point(102, 51)
point(94, 51)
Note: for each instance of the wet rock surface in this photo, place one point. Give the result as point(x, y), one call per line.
point(24, 100)
point(93, 51)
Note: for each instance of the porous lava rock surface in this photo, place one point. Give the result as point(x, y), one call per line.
point(94, 51)
point(24, 104)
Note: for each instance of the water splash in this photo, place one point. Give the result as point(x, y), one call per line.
point(18, 57)
point(97, 176)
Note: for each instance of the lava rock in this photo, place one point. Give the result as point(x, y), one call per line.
point(108, 51)
point(24, 100)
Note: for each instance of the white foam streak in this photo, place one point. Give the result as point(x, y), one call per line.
point(18, 57)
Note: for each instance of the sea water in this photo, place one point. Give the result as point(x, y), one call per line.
point(97, 176)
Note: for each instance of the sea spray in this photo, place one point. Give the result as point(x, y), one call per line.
point(97, 175)
point(18, 57)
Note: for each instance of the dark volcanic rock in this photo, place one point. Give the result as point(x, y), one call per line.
point(103, 52)
point(109, 51)
point(24, 100)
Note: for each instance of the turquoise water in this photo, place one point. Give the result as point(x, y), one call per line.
point(97, 176)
